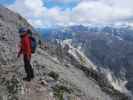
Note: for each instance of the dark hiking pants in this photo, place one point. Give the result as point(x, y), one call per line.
point(28, 67)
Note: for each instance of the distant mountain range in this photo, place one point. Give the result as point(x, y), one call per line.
point(68, 32)
point(109, 47)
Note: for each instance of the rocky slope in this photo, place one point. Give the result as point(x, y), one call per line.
point(58, 74)
point(109, 47)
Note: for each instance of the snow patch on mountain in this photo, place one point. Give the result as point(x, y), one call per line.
point(118, 84)
point(119, 38)
point(78, 54)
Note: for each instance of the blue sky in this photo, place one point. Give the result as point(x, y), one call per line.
point(3, 2)
point(48, 3)
point(49, 13)
point(63, 5)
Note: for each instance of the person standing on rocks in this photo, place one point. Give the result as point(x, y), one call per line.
point(26, 50)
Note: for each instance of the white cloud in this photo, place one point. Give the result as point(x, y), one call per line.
point(86, 11)
point(35, 6)
point(33, 11)
point(100, 12)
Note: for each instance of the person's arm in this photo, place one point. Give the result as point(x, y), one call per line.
point(19, 53)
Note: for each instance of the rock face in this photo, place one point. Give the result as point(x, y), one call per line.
point(58, 75)
point(108, 47)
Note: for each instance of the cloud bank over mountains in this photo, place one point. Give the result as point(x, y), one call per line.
point(84, 12)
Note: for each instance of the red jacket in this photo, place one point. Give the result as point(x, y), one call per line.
point(26, 46)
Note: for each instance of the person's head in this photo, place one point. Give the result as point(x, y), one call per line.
point(22, 31)
point(29, 32)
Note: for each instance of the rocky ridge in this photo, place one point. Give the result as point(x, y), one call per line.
point(58, 75)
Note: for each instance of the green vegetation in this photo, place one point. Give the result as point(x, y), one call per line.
point(59, 91)
point(12, 86)
point(54, 75)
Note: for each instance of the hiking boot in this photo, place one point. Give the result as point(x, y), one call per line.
point(26, 79)
point(32, 76)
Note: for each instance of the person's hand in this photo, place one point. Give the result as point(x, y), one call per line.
point(18, 55)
